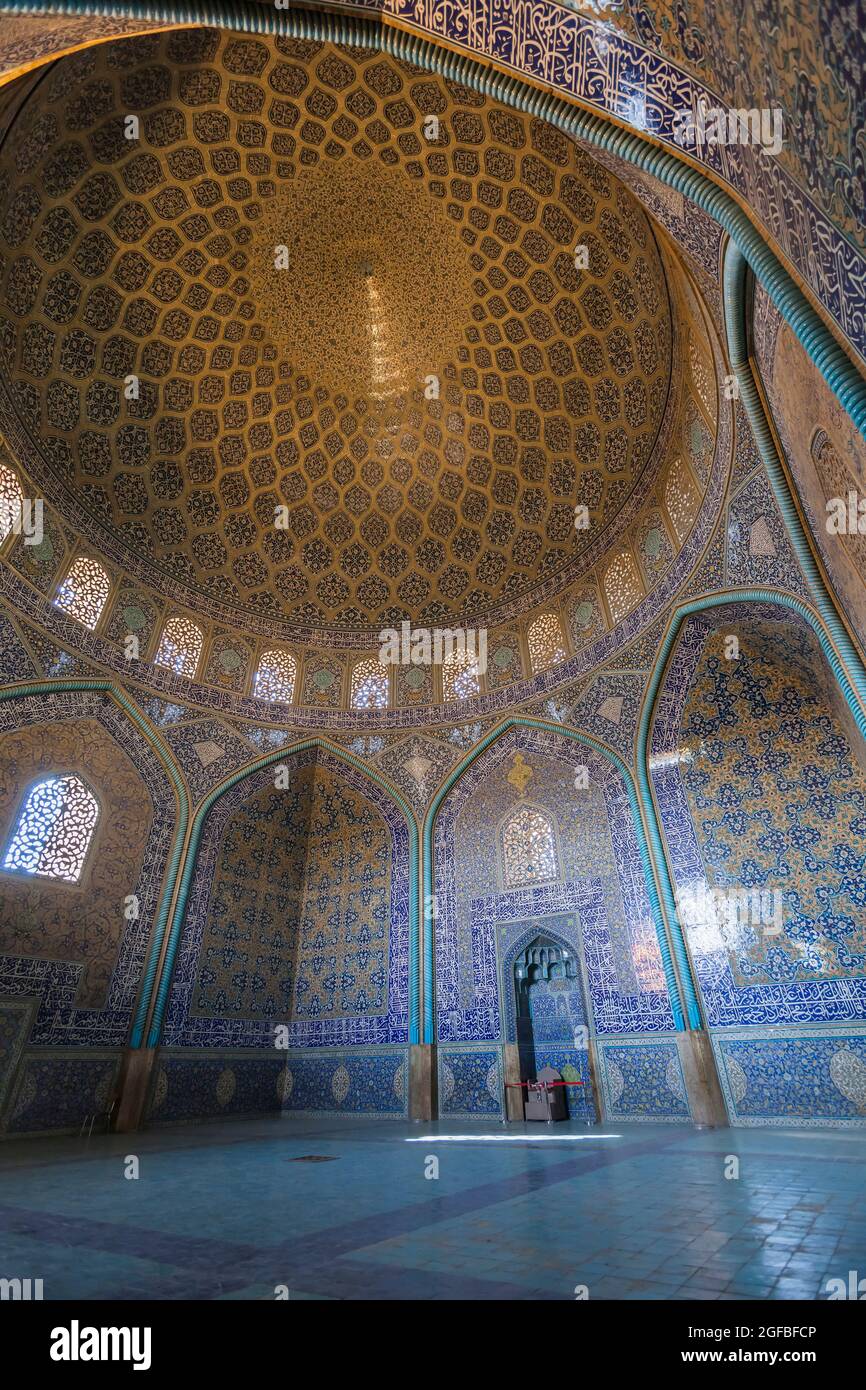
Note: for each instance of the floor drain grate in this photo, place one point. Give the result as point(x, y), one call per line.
point(314, 1158)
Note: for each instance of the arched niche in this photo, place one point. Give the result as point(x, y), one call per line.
point(600, 886)
point(301, 874)
point(759, 778)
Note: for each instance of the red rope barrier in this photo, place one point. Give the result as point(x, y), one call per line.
point(544, 1085)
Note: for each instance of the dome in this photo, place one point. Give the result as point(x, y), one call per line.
point(327, 342)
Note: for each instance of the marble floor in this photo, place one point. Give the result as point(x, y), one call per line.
point(224, 1211)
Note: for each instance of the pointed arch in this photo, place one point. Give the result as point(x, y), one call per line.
point(647, 862)
point(174, 930)
point(509, 960)
point(847, 672)
point(171, 767)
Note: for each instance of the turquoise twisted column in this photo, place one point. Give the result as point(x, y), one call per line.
point(852, 675)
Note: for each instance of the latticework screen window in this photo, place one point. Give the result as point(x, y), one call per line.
point(545, 641)
point(84, 590)
point(275, 677)
point(701, 377)
point(180, 646)
point(460, 676)
point(11, 498)
point(681, 498)
point(622, 586)
point(369, 685)
point(54, 830)
point(528, 848)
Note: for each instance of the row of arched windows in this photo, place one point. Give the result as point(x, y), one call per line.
point(85, 590)
point(84, 593)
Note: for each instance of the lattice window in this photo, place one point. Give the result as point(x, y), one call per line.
point(681, 498)
point(180, 646)
point(54, 830)
point(11, 501)
point(545, 641)
point(369, 685)
point(528, 848)
point(622, 586)
point(460, 676)
point(84, 590)
point(275, 677)
point(702, 377)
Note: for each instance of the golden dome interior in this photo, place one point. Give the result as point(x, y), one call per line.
point(428, 389)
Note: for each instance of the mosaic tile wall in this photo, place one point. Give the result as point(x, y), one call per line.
point(200, 1085)
point(72, 962)
point(598, 903)
point(761, 794)
point(298, 914)
point(471, 1083)
point(642, 1080)
point(823, 447)
point(810, 1077)
point(48, 937)
point(56, 1090)
point(596, 907)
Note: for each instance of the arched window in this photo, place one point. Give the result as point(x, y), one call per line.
point(84, 590)
point(369, 685)
point(180, 646)
point(11, 501)
point(681, 498)
point(54, 830)
point(275, 677)
point(528, 848)
point(460, 676)
point(622, 586)
point(545, 641)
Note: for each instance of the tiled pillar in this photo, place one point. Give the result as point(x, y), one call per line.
point(706, 1102)
point(513, 1092)
point(135, 1074)
point(423, 1097)
point(592, 1066)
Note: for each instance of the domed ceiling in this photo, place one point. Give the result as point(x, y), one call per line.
point(330, 308)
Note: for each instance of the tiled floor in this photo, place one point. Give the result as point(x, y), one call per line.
point(222, 1211)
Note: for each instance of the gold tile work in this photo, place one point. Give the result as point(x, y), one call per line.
point(428, 390)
